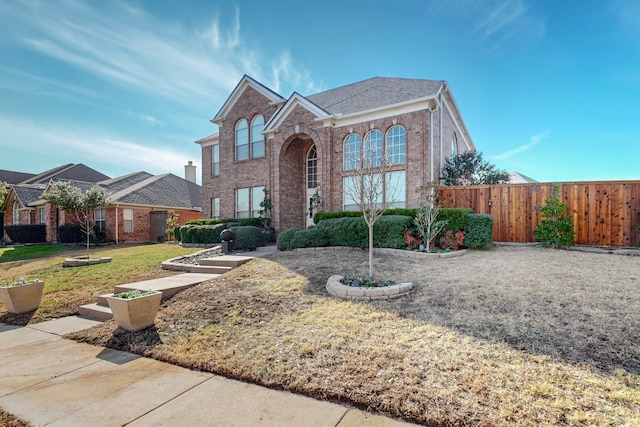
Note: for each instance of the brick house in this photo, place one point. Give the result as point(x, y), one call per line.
point(298, 147)
point(138, 213)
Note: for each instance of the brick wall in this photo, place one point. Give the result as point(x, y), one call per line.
point(283, 169)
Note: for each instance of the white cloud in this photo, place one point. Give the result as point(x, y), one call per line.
point(533, 141)
point(129, 47)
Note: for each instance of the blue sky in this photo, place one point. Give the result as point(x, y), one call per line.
point(550, 88)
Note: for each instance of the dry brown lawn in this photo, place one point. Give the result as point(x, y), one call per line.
point(512, 335)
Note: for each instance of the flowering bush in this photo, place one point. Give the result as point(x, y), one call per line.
point(410, 239)
point(452, 241)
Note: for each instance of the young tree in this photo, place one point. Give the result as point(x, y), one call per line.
point(4, 190)
point(82, 204)
point(426, 221)
point(469, 168)
point(172, 222)
point(266, 206)
point(556, 229)
point(368, 187)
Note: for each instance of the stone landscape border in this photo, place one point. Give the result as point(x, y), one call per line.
point(337, 289)
point(84, 260)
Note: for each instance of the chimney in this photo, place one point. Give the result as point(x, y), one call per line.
point(190, 172)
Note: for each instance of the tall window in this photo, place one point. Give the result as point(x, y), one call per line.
point(242, 140)
point(246, 134)
point(248, 201)
point(396, 145)
point(373, 148)
point(351, 154)
point(257, 139)
point(42, 216)
point(395, 190)
point(215, 207)
point(215, 160)
point(127, 216)
point(257, 196)
point(16, 214)
point(312, 167)
point(99, 219)
point(454, 145)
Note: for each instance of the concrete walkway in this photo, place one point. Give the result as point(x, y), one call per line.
point(51, 381)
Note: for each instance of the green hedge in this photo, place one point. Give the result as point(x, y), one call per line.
point(478, 229)
point(349, 231)
point(246, 237)
point(453, 216)
point(312, 238)
point(283, 241)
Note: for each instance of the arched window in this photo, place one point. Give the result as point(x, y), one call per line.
point(16, 214)
point(454, 146)
point(242, 140)
point(396, 145)
point(351, 156)
point(257, 139)
point(312, 167)
point(373, 148)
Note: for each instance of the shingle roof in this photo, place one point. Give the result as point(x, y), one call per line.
point(28, 193)
point(76, 172)
point(165, 190)
point(12, 177)
point(374, 93)
point(120, 183)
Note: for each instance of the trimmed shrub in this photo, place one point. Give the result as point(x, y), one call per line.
point(345, 231)
point(188, 233)
point(312, 238)
point(246, 237)
point(319, 216)
point(455, 217)
point(387, 231)
point(268, 235)
point(478, 229)
point(176, 233)
point(283, 242)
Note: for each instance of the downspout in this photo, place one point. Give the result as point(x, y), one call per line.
point(431, 142)
point(117, 224)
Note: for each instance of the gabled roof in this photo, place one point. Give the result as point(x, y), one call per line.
point(244, 83)
point(295, 100)
point(28, 193)
point(374, 93)
point(75, 172)
point(518, 178)
point(165, 190)
point(12, 177)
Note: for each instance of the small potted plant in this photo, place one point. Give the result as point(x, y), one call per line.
point(22, 296)
point(135, 310)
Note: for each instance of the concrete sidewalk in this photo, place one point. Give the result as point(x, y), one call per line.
point(48, 380)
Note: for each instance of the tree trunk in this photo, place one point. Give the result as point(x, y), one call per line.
point(371, 251)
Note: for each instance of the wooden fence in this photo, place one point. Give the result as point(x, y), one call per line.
point(604, 213)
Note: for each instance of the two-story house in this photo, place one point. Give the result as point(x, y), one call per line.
point(300, 147)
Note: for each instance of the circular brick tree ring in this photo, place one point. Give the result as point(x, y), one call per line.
point(337, 289)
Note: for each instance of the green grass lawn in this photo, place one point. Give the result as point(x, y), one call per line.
point(16, 253)
point(68, 288)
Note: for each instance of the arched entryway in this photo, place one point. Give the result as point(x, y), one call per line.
point(298, 171)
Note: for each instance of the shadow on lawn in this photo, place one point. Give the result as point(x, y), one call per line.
point(602, 331)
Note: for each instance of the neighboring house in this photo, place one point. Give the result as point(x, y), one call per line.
point(298, 147)
point(26, 188)
point(518, 178)
point(138, 213)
